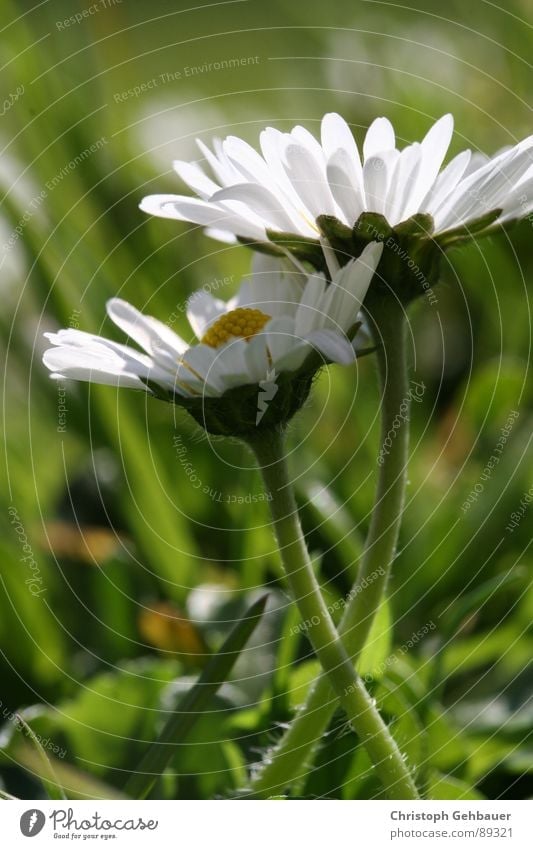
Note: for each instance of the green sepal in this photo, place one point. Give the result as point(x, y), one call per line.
point(468, 232)
point(235, 412)
point(333, 229)
point(158, 391)
point(303, 247)
point(371, 227)
point(261, 247)
point(420, 225)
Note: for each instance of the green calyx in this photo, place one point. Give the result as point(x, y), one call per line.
point(251, 410)
point(247, 411)
point(410, 264)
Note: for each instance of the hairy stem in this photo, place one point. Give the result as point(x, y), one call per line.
point(335, 661)
point(288, 762)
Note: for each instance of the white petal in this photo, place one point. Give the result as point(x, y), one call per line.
point(304, 138)
point(485, 189)
point(202, 310)
point(337, 136)
point(470, 187)
point(273, 294)
point(400, 201)
point(257, 360)
point(346, 184)
point(326, 309)
point(497, 188)
point(81, 364)
point(220, 217)
point(74, 338)
point(102, 347)
point(351, 284)
point(293, 358)
point(377, 172)
point(221, 235)
point(275, 285)
point(232, 363)
point(203, 362)
point(273, 146)
point(477, 160)
point(220, 165)
point(526, 176)
point(280, 337)
point(379, 138)
point(148, 332)
point(195, 178)
point(247, 161)
point(262, 201)
point(520, 201)
point(446, 182)
point(309, 181)
point(164, 206)
point(334, 346)
point(330, 256)
point(287, 269)
point(309, 314)
point(434, 147)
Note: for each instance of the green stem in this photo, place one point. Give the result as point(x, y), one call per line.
point(349, 689)
point(288, 761)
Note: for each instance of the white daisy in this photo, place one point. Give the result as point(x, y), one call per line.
point(275, 322)
point(296, 179)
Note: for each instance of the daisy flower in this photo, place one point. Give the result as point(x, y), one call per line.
point(281, 324)
point(296, 180)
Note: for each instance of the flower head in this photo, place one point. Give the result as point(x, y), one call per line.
point(296, 181)
point(281, 322)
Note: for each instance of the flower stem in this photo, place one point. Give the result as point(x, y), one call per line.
point(287, 762)
point(349, 689)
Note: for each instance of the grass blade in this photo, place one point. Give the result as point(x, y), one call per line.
point(194, 703)
point(7, 797)
point(52, 785)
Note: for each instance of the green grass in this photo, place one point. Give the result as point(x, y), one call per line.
point(88, 663)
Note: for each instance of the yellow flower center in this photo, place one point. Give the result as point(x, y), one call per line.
point(244, 322)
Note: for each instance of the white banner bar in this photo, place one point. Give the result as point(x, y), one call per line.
point(268, 825)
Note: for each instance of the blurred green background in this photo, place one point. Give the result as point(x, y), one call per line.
point(141, 569)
